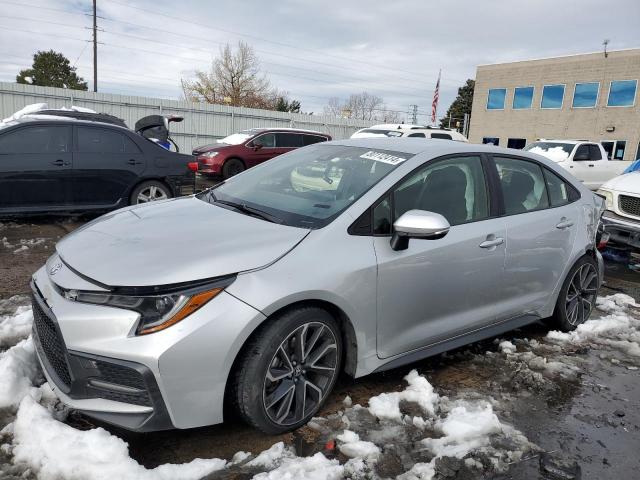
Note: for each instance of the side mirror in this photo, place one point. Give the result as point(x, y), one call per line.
point(581, 157)
point(418, 224)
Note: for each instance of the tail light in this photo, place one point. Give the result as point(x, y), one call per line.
point(193, 166)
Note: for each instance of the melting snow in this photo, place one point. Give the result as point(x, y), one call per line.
point(420, 391)
point(557, 154)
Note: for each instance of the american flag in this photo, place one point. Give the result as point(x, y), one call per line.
point(436, 97)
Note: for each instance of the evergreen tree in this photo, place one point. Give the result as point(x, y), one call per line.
point(51, 69)
point(460, 106)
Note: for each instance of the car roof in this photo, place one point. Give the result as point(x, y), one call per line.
point(283, 129)
point(35, 118)
point(569, 142)
point(416, 146)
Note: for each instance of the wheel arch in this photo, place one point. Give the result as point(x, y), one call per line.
point(349, 340)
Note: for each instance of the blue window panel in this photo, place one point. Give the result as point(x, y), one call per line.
point(491, 141)
point(585, 95)
point(552, 96)
point(622, 93)
point(495, 100)
point(522, 98)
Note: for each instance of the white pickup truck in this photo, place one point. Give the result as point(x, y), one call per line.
point(587, 161)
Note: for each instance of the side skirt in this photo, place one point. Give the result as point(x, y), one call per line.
point(459, 341)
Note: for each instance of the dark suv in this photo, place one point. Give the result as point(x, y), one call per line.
point(239, 151)
point(53, 163)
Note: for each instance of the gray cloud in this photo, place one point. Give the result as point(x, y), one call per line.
point(314, 50)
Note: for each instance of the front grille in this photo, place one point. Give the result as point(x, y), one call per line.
point(121, 375)
point(52, 343)
point(630, 205)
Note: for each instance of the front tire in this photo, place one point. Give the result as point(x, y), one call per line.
point(232, 167)
point(149, 191)
point(288, 369)
point(577, 297)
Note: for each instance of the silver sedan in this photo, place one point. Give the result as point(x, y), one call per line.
point(349, 256)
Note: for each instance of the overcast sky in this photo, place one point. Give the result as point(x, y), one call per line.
point(313, 50)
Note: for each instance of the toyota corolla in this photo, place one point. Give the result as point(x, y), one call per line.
point(349, 256)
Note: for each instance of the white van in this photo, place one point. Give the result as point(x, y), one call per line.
point(407, 130)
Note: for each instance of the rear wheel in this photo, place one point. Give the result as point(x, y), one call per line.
point(578, 295)
point(232, 167)
point(288, 369)
point(149, 191)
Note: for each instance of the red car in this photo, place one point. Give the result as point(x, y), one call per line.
point(239, 151)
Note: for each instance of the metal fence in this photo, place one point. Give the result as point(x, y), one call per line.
point(203, 123)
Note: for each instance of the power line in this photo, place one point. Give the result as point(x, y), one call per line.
point(296, 47)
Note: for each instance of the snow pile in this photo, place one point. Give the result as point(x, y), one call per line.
point(75, 108)
point(18, 371)
point(618, 329)
point(557, 154)
point(466, 427)
point(317, 467)
point(28, 110)
point(16, 326)
point(352, 447)
point(55, 450)
point(507, 347)
point(420, 391)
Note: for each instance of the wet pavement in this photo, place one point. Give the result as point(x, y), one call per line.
point(585, 415)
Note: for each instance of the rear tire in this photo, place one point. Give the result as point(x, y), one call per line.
point(232, 167)
point(287, 370)
point(577, 296)
point(149, 191)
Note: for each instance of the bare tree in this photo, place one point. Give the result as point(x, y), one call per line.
point(234, 79)
point(363, 106)
point(334, 107)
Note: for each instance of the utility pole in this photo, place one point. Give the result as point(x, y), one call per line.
point(95, 48)
point(413, 114)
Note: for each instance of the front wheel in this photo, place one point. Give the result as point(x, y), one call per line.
point(149, 191)
point(232, 167)
point(578, 295)
point(288, 369)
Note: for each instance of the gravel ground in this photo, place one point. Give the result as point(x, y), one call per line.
point(584, 415)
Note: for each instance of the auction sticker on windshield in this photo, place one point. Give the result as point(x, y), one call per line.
point(382, 157)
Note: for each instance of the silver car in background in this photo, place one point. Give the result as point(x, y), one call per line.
point(349, 256)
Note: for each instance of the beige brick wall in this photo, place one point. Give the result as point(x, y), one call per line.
point(567, 122)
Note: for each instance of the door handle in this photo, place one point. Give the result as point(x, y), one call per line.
point(58, 163)
point(492, 243)
point(591, 165)
point(133, 162)
point(564, 223)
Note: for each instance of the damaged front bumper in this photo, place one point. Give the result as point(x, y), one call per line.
point(621, 230)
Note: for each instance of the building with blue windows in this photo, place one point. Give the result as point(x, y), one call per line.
point(589, 96)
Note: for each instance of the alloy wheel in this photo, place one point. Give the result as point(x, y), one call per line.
point(581, 294)
point(151, 194)
point(300, 373)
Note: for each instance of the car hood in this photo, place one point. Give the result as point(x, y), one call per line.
point(629, 182)
point(175, 241)
point(211, 148)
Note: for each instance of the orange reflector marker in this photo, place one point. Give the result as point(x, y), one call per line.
point(194, 303)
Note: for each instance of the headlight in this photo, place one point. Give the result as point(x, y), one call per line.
point(157, 312)
point(608, 198)
point(209, 154)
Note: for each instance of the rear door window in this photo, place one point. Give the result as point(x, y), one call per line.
point(421, 135)
point(444, 136)
point(101, 140)
point(311, 139)
point(523, 185)
point(560, 192)
point(36, 139)
point(289, 140)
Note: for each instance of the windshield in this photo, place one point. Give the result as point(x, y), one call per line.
point(374, 132)
point(555, 151)
point(237, 138)
point(307, 187)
